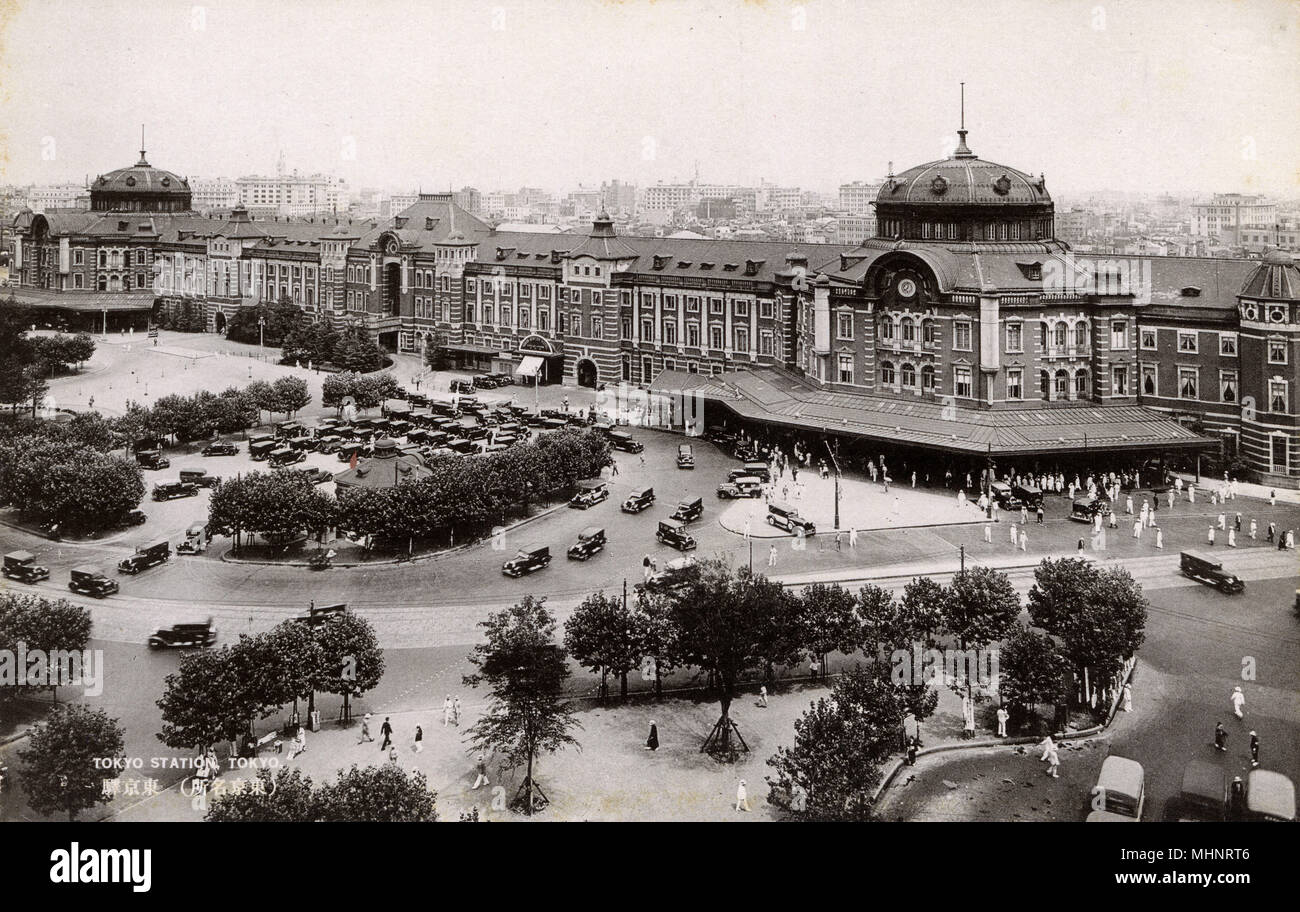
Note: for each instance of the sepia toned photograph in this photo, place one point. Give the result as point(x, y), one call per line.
point(693, 411)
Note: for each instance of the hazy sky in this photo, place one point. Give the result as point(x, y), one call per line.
point(1187, 96)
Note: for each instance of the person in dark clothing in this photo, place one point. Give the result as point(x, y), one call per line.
point(387, 731)
point(1220, 737)
point(652, 742)
point(1254, 749)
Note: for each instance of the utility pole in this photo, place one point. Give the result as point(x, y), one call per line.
point(963, 560)
point(835, 463)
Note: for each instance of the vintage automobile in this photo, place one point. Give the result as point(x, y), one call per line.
point(146, 556)
point(743, 486)
point(170, 490)
point(185, 636)
point(22, 566)
point(285, 456)
point(1269, 796)
point(461, 445)
point(260, 450)
point(132, 518)
point(485, 381)
point(329, 443)
point(1204, 795)
point(590, 541)
point(638, 500)
point(622, 440)
point(152, 459)
point(590, 493)
point(784, 516)
point(1029, 495)
point(1120, 790)
point(688, 510)
point(673, 533)
point(353, 448)
point(288, 429)
point(196, 539)
point(527, 560)
point(1004, 497)
point(674, 577)
point(462, 386)
point(199, 478)
point(1085, 509)
point(317, 476)
point(1207, 568)
point(301, 443)
point(221, 448)
point(89, 581)
point(685, 456)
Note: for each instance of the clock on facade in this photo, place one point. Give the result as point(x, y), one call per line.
point(392, 247)
point(906, 288)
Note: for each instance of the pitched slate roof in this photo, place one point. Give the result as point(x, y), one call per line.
point(769, 395)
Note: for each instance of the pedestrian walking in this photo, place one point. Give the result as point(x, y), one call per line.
point(392, 754)
point(1209, 537)
point(365, 729)
point(1015, 536)
point(1238, 702)
point(988, 533)
point(1114, 520)
point(1137, 528)
point(1272, 532)
point(455, 711)
point(1039, 514)
point(652, 741)
point(913, 479)
point(480, 766)
point(1024, 540)
point(645, 568)
point(1128, 506)
point(1222, 522)
point(1232, 538)
point(1254, 527)
point(771, 556)
point(812, 668)
point(839, 541)
point(1024, 514)
point(1002, 721)
point(1054, 764)
point(1220, 737)
point(1160, 538)
point(1290, 539)
point(853, 538)
point(1191, 493)
point(419, 739)
point(1048, 745)
point(447, 709)
point(742, 797)
point(1128, 698)
point(1272, 495)
point(1171, 500)
point(1237, 523)
point(762, 695)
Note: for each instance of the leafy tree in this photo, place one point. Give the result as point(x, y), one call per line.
point(920, 611)
point(290, 394)
point(59, 772)
point(879, 612)
point(286, 798)
point(278, 320)
point(217, 693)
point(275, 505)
point(49, 625)
point(435, 356)
point(260, 393)
point(723, 632)
point(840, 746)
point(1031, 670)
point(601, 635)
point(781, 634)
point(309, 342)
point(377, 794)
point(350, 661)
point(656, 631)
point(297, 659)
point(981, 608)
point(525, 670)
point(1061, 592)
point(830, 619)
point(77, 487)
point(354, 351)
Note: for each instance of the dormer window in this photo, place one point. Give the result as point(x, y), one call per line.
point(660, 262)
point(683, 264)
point(706, 265)
point(729, 267)
point(1191, 291)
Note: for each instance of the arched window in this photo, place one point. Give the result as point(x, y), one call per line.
point(887, 328)
point(1081, 334)
point(1081, 383)
point(927, 378)
point(1058, 335)
point(909, 375)
point(887, 373)
point(1062, 384)
point(1044, 384)
point(909, 330)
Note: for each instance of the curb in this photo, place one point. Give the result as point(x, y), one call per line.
point(226, 556)
point(888, 779)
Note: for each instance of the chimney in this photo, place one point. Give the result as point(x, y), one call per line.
point(428, 223)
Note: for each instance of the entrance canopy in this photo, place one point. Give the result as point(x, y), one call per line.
point(529, 367)
point(768, 396)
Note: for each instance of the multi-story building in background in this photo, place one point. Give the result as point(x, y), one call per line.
point(59, 196)
point(964, 328)
point(859, 197)
point(214, 193)
point(1222, 216)
point(291, 193)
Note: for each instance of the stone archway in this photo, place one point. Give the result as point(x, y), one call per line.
point(588, 375)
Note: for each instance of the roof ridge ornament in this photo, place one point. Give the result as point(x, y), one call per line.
point(962, 150)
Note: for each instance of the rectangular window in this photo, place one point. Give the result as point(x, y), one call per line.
point(1187, 341)
point(961, 381)
point(1277, 399)
point(1119, 380)
point(693, 335)
point(846, 368)
point(844, 326)
point(1188, 381)
point(576, 323)
point(1148, 340)
point(647, 329)
point(1228, 386)
point(543, 293)
point(562, 323)
point(740, 338)
point(715, 337)
point(1277, 351)
point(625, 329)
point(765, 346)
point(78, 257)
point(715, 306)
point(887, 329)
point(1119, 335)
point(544, 320)
point(740, 308)
point(1228, 345)
point(1015, 339)
point(597, 328)
point(670, 332)
point(692, 304)
point(1015, 384)
point(961, 336)
point(1150, 379)
point(765, 310)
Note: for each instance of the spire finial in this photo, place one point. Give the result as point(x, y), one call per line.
point(963, 106)
point(142, 158)
point(962, 150)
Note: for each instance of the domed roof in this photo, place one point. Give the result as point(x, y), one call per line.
point(964, 179)
point(141, 177)
point(1277, 277)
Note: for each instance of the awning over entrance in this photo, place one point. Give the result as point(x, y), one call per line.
point(780, 399)
point(89, 301)
point(469, 349)
point(529, 367)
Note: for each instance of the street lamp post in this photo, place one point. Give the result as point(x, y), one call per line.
point(835, 463)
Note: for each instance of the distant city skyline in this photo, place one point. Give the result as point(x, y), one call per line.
point(561, 94)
